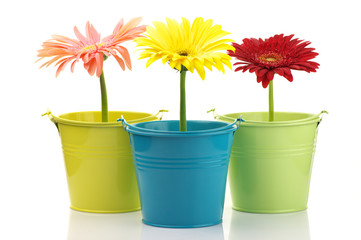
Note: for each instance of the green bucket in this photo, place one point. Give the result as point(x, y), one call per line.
point(98, 160)
point(271, 162)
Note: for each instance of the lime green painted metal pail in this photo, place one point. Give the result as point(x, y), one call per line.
point(98, 161)
point(271, 162)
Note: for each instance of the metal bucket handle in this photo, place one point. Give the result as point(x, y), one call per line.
point(320, 115)
point(51, 117)
point(237, 123)
point(217, 116)
point(159, 114)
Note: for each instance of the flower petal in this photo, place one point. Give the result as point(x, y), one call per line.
point(270, 75)
point(193, 45)
point(80, 36)
point(120, 61)
point(125, 54)
point(99, 61)
point(153, 59)
point(277, 54)
point(199, 67)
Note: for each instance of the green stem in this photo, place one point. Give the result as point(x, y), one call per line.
point(183, 116)
point(104, 96)
point(270, 102)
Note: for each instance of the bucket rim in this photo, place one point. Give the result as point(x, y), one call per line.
point(61, 120)
point(313, 118)
point(229, 127)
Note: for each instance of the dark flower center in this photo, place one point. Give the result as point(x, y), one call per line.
point(183, 53)
point(270, 58)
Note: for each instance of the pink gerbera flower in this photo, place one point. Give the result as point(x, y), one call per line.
point(91, 48)
point(278, 54)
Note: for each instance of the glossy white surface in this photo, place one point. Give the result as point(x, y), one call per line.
point(49, 220)
point(236, 225)
point(33, 191)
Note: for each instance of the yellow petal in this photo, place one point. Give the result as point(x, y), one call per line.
point(215, 33)
point(219, 64)
point(200, 69)
point(210, 45)
point(146, 42)
point(162, 33)
point(185, 25)
point(185, 62)
point(201, 42)
point(208, 64)
point(172, 63)
point(166, 58)
point(152, 60)
point(174, 29)
point(178, 66)
point(220, 47)
point(144, 56)
point(227, 62)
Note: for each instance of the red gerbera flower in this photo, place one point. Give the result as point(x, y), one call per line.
point(278, 54)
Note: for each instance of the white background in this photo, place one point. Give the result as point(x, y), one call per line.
point(33, 193)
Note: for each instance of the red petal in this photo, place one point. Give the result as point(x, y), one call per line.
point(279, 71)
point(265, 83)
point(239, 68)
point(270, 75)
point(288, 74)
point(284, 72)
point(261, 72)
point(262, 78)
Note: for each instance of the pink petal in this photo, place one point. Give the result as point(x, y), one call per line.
point(118, 26)
point(73, 65)
point(62, 66)
point(92, 34)
point(132, 23)
point(91, 66)
point(70, 41)
point(80, 36)
point(99, 62)
point(125, 54)
point(120, 61)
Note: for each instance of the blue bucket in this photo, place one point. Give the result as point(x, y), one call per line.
point(181, 175)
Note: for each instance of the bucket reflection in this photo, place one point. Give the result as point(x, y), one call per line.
point(98, 226)
point(283, 226)
point(204, 233)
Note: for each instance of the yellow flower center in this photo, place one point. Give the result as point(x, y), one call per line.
point(92, 47)
point(270, 58)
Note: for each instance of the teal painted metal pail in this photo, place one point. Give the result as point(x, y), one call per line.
point(271, 162)
point(182, 175)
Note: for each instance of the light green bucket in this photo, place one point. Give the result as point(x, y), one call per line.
point(271, 162)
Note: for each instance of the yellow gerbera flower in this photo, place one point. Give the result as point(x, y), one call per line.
point(194, 46)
